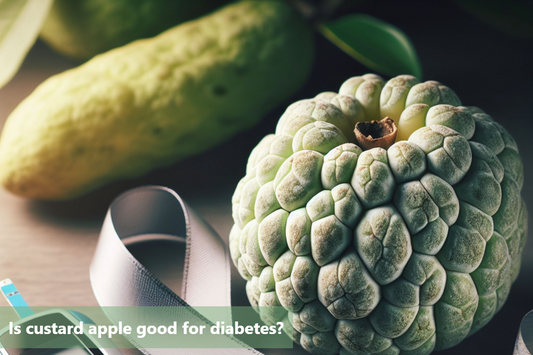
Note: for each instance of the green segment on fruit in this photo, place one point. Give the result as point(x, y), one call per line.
point(402, 250)
point(82, 29)
point(153, 102)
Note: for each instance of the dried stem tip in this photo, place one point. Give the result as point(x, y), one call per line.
point(374, 134)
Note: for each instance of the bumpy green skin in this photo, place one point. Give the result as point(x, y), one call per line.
point(82, 29)
point(156, 101)
point(398, 251)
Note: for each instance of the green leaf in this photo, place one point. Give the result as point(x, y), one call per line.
point(376, 44)
point(20, 24)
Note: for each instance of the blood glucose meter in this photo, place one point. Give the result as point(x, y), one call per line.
point(43, 341)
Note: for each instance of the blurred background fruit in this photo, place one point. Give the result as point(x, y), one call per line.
point(81, 29)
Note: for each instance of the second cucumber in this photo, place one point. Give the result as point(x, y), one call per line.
point(81, 29)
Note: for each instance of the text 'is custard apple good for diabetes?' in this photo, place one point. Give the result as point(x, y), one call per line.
point(384, 239)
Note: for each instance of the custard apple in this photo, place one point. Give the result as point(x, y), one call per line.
point(384, 219)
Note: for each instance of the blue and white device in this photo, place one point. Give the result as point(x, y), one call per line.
point(69, 344)
point(15, 299)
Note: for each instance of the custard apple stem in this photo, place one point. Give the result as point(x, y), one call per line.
point(375, 134)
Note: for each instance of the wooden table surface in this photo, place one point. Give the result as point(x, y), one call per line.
point(46, 247)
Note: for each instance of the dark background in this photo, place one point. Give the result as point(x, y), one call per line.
point(485, 66)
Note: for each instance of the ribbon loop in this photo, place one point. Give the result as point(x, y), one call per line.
point(119, 279)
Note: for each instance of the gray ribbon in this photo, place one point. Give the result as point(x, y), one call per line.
point(524, 340)
point(119, 279)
